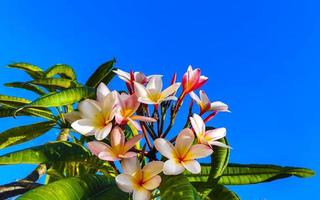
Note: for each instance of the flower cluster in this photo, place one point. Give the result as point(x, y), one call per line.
point(143, 109)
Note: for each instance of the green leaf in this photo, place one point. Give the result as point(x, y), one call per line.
point(15, 102)
point(26, 86)
point(104, 73)
point(48, 153)
point(240, 174)
point(88, 187)
point(176, 188)
point(65, 97)
point(65, 71)
point(54, 83)
point(22, 134)
point(34, 71)
point(219, 159)
point(220, 192)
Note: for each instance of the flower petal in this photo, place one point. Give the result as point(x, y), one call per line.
point(197, 124)
point(192, 166)
point(152, 183)
point(195, 97)
point(96, 147)
point(155, 84)
point(131, 142)
point(165, 148)
point(143, 118)
point(184, 141)
point(146, 100)
point(104, 132)
point(89, 108)
point(72, 116)
point(134, 124)
point(140, 90)
point(108, 155)
point(124, 182)
point(204, 98)
point(170, 90)
point(102, 91)
point(122, 75)
point(172, 167)
point(152, 169)
point(141, 194)
point(84, 126)
point(198, 151)
point(129, 154)
point(170, 98)
point(216, 134)
point(219, 106)
point(117, 137)
point(219, 144)
point(130, 165)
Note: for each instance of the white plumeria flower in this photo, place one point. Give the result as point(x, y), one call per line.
point(139, 181)
point(127, 105)
point(205, 104)
point(182, 156)
point(94, 117)
point(208, 137)
point(152, 94)
point(138, 76)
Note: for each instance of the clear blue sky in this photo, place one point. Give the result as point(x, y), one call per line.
point(262, 58)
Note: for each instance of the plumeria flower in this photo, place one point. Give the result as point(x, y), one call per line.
point(208, 137)
point(94, 117)
point(138, 76)
point(206, 105)
point(139, 181)
point(152, 94)
point(192, 80)
point(127, 105)
point(118, 150)
point(182, 156)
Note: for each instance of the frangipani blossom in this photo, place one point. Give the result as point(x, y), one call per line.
point(137, 76)
point(153, 94)
point(118, 150)
point(205, 104)
point(139, 181)
point(192, 80)
point(208, 137)
point(96, 117)
point(182, 156)
point(127, 105)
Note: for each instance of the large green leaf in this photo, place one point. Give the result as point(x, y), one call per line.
point(220, 192)
point(65, 97)
point(26, 86)
point(54, 83)
point(240, 174)
point(102, 74)
point(48, 153)
point(78, 188)
point(177, 188)
point(22, 134)
point(34, 71)
point(15, 102)
point(65, 71)
point(219, 159)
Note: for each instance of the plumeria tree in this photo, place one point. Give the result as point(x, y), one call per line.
point(119, 144)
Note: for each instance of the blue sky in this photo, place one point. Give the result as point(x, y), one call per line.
point(261, 57)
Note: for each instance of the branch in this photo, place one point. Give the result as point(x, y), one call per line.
point(23, 185)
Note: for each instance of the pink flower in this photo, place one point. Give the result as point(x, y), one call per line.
point(118, 150)
point(192, 80)
point(209, 137)
point(182, 156)
point(139, 181)
point(138, 76)
point(127, 105)
point(153, 94)
point(205, 104)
